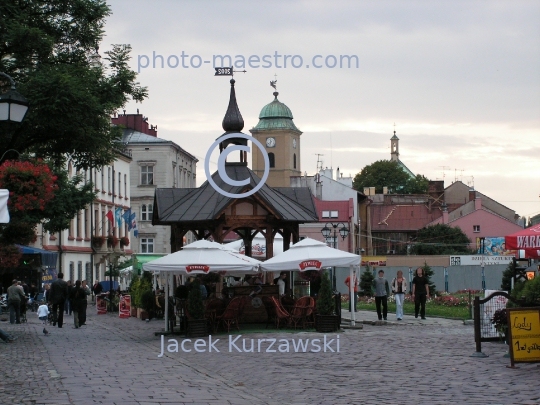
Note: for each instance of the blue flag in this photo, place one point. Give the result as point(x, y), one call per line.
point(118, 216)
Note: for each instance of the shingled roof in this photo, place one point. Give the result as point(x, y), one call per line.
point(173, 205)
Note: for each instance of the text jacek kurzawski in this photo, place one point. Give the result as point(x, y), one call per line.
point(238, 344)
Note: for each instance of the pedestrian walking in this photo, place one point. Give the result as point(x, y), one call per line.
point(84, 304)
point(16, 298)
point(43, 313)
point(67, 306)
point(78, 295)
point(58, 296)
point(420, 292)
point(356, 282)
point(381, 290)
point(399, 287)
point(46, 292)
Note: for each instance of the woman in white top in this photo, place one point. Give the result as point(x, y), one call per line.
point(399, 288)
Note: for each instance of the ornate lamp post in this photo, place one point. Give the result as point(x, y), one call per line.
point(13, 106)
point(343, 231)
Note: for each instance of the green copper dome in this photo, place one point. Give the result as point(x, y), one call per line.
point(276, 115)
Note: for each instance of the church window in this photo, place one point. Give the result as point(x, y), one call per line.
point(294, 161)
point(272, 159)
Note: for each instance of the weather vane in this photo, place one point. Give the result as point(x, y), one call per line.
point(273, 83)
point(227, 71)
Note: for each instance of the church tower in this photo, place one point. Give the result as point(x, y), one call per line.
point(281, 139)
point(394, 148)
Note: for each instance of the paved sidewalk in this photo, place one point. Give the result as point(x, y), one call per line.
point(115, 361)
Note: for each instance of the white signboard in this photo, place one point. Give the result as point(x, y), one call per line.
point(4, 213)
point(477, 260)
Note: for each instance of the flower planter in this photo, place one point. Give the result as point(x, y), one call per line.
point(134, 312)
point(326, 323)
point(197, 328)
point(144, 315)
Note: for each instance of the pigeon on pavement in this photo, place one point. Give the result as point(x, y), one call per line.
point(45, 332)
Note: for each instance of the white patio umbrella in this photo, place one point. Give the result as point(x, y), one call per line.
point(200, 257)
point(310, 254)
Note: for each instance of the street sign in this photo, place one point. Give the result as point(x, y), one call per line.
point(524, 335)
point(223, 71)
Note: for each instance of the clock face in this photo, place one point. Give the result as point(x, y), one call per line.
point(294, 143)
point(270, 142)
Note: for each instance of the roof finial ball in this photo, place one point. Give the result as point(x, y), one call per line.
point(273, 83)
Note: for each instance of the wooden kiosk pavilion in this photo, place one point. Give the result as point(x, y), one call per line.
point(208, 213)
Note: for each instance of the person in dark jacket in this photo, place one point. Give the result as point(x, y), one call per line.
point(67, 306)
point(57, 296)
point(15, 298)
point(78, 298)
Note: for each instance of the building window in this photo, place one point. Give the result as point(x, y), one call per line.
point(476, 228)
point(272, 159)
point(326, 214)
point(102, 179)
point(119, 191)
point(146, 212)
point(333, 214)
point(88, 273)
point(294, 161)
point(109, 179)
point(147, 175)
point(125, 187)
point(147, 245)
point(71, 271)
point(79, 272)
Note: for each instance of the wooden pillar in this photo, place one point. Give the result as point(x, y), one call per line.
point(286, 239)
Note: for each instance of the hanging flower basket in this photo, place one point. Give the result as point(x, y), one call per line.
point(98, 241)
point(124, 241)
point(112, 241)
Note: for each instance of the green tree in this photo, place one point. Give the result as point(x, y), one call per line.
point(388, 173)
point(441, 239)
point(366, 281)
point(47, 47)
point(507, 276)
point(428, 273)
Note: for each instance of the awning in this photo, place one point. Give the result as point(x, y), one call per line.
point(48, 259)
point(141, 258)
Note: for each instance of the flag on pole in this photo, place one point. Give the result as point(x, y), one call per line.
point(134, 225)
point(110, 216)
point(126, 215)
point(118, 216)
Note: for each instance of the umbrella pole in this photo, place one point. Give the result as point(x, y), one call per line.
point(167, 303)
point(352, 284)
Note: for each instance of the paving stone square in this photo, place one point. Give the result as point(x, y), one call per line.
point(115, 361)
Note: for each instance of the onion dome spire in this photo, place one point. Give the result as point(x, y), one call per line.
point(233, 121)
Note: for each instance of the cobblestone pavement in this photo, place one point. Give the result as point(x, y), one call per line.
point(115, 361)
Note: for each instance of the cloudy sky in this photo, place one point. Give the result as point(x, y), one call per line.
point(460, 80)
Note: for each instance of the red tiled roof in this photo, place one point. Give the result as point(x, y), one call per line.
point(344, 208)
point(401, 217)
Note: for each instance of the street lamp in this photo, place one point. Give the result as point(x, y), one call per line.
point(13, 106)
point(343, 231)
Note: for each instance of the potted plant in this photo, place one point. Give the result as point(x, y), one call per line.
point(147, 302)
point(500, 322)
point(133, 290)
point(124, 241)
point(327, 320)
point(197, 325)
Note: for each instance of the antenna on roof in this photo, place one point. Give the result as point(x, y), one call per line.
point(319, 162)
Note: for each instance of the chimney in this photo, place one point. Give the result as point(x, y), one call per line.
point(478, 203)
point(337, 173)
point(472, 194)
point(445, 214)
point(318, 187)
